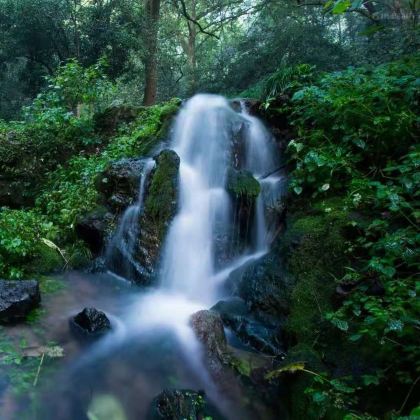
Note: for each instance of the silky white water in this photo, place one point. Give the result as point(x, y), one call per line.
point(202, 137)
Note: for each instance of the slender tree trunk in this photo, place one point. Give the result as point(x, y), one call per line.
point(152, 16)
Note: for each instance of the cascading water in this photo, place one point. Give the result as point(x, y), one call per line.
point(262, 161)
point(119, 254)
point(202, 141)
point(153, 340)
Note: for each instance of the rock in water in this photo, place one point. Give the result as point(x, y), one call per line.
point(208, 328)
point(17, 299)
point(180, 404)
point(90, 322)
point(260, 336)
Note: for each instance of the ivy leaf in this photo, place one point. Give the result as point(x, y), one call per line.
point(340, 324)
point(298, 190)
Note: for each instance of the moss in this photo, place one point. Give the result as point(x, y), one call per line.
point(161, 202)
point(315, 247)
point(242, 184)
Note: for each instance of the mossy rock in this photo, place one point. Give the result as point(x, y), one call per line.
point(241, 183)
point(182, 404)
point(314, 246)
point(161, 202)
point(160, 207)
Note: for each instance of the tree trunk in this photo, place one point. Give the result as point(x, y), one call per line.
point(150, 86)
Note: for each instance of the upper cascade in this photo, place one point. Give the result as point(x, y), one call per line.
point(205, 134)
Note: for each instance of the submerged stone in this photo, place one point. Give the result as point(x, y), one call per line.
point(17, 299)
point(90, 322)
point(106, 407)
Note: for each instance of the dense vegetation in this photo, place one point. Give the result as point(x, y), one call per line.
point(71, 81)
point(354, 205)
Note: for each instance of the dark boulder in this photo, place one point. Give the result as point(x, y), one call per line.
point(181, 404)
point(94, 228)
point(263, 287)
point(253, 333)
point(119, 183)
point(90, 322)
point(17, 299)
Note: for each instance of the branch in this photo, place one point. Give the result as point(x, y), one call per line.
point(190, 19)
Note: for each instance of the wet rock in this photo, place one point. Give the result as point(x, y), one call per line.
point(263, 287)
point(119, 183)
point(180, 404)
point(257, 335)
point(226, 367)
point(93, 229)
point(208, 327)
point(17, 299)
point(159, 210)
point(243, 189)
point(90, 322)
point(241, 183)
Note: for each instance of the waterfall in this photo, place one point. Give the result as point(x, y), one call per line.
point(203, 140)
point(262, 159)
point(119, 256)
point(212, 139)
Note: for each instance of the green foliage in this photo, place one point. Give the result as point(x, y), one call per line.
point(70, 87)
point(285, 80)
point(349, 121)
point(21, 234)
point(70, 191)
point(54, 157)
point(355, 146)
